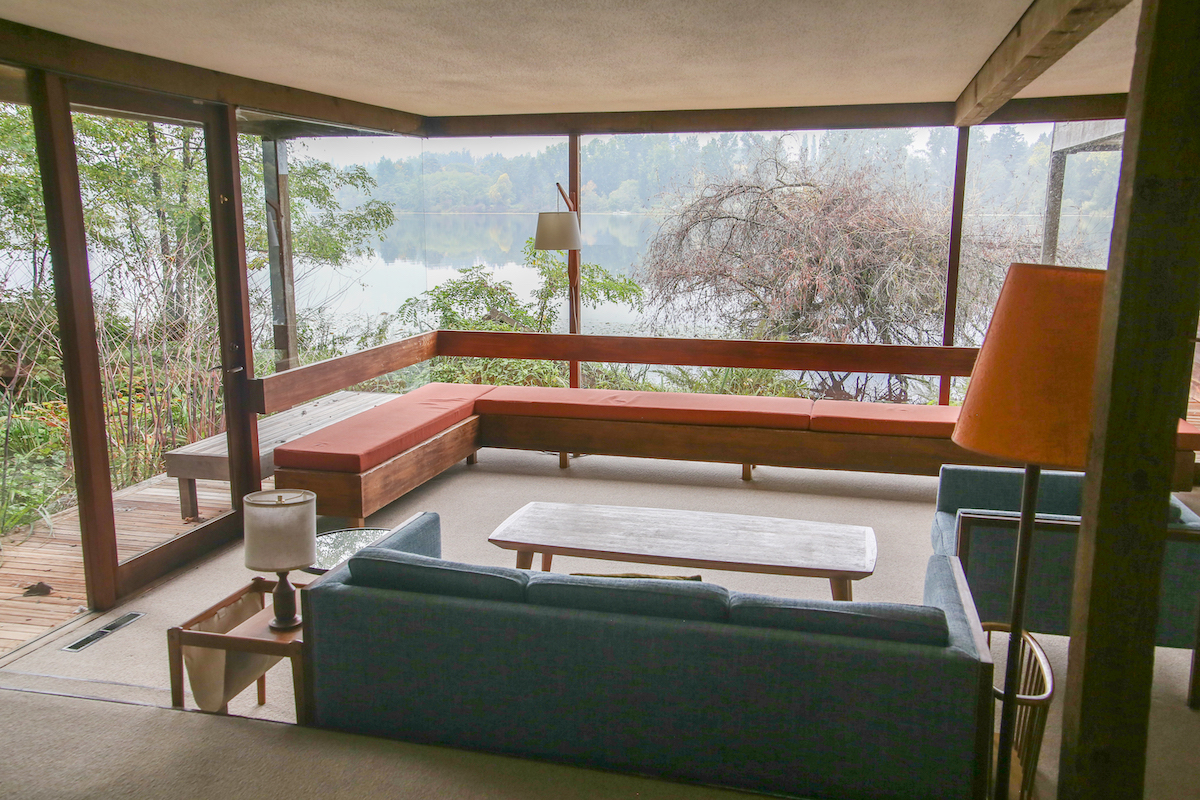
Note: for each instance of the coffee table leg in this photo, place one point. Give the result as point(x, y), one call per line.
point(546, 561)
point(524, 559)
point(841, 589)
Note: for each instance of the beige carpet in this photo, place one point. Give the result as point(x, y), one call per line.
point(131, 665)
point(59, 748)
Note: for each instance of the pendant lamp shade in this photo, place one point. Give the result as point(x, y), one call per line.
point(557, 230)
point(1030, 396)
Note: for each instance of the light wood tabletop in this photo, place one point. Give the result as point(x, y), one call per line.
point(738, 542)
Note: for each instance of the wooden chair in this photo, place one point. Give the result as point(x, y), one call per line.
point(1034, 693)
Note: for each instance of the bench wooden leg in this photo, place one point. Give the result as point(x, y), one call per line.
point(841, 589)
point(564, 460)
point(189, 504)
point(747, 472)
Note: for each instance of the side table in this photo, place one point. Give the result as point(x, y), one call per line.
point(252, 635)
point(334, 547)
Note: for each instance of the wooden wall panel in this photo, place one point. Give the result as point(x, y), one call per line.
point(286, 389)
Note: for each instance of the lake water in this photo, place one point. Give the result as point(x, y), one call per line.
point(421, 251)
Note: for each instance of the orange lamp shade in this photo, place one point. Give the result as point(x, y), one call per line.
point(1030, 396)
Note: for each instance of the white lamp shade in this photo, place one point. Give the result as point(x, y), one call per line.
point(280, 529)
point(557, 230)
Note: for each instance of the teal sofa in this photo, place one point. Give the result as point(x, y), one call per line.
point(677, 679)
point(976, 520)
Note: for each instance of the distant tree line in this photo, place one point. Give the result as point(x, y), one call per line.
point(644, 172)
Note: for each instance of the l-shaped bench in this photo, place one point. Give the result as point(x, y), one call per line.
point(361, 464)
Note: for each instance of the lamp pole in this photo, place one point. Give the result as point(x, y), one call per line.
point(1016, 621)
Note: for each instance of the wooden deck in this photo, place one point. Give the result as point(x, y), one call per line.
point(147, 515)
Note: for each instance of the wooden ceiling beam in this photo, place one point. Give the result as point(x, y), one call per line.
point(1045, 33)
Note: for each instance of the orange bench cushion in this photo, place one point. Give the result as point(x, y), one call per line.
point(1188, 437)
point(680, 407)
point(373, 436)
point(884, 419)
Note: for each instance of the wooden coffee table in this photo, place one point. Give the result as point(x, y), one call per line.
point(841, 553)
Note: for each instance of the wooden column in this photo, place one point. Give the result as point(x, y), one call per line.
point(1053, 213)
point(279, 253)
point(77, 330)
point(954, 255)
point(233, 300)
point(1143, 371)
point(573, 281)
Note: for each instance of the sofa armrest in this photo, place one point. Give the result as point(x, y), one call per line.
point(946, 588)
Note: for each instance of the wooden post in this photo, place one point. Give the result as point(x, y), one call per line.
point(1144, 365)
point(279, 253)
point(233, 300)
point(55, 139)
point(1053, 213)
point(955, 254)
point(573, 283)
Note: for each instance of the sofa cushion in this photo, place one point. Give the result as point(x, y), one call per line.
point(645, 596)
point(373, 436)
point(884, 419)
point(681, 407)
point(381, 568)
point(894, 622)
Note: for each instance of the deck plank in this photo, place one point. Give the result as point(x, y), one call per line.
point(146, 515)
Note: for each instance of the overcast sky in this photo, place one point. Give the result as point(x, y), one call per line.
point(369, 149)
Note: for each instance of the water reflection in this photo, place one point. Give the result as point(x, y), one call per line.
point(421, 251)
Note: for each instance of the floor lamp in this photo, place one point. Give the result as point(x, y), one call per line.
point(1030, 401)
point(559, 230)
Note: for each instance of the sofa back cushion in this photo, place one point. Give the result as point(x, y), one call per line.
point(380, 568)
point(894, 622)
point(999, 489)
point(645, 596)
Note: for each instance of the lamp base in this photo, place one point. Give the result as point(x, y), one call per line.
point(284, 602)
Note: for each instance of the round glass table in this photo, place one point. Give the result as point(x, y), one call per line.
point(334, 547)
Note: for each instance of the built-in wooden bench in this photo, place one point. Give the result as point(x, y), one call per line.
point(359, 465)
point(209, 458)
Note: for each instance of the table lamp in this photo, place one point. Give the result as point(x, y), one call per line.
point(280, 536)
point(1030, 401)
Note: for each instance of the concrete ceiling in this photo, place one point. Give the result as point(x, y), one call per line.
point(458, 57)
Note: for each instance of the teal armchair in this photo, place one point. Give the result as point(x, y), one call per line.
point(978, 509)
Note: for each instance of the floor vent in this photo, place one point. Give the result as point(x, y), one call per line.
point(95, 636)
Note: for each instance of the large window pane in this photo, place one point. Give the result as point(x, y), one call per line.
point(37, 478)
point(820, 236)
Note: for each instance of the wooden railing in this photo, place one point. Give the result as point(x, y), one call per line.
point(286, 389)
